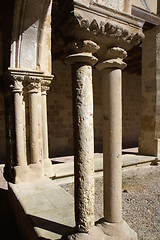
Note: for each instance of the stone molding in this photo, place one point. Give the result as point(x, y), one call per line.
point(105, 26)
point(34, 79)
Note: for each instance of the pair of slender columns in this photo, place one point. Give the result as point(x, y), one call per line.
point(112, 140)
point(37, 97)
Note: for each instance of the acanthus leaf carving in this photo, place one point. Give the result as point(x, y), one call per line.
point(33, 84)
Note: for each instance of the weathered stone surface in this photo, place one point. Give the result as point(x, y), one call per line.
point(94, 234)
point(30, 134)
point(150, 128)
point(98, 23)
point(112, 224)
point(117, 231)
point(82, 62)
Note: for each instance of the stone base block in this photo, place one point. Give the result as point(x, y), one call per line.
point(48, 168)
point(117, 231)
point(95, 234)
point(28, 173)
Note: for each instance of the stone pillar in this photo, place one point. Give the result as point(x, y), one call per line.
point(34, 89)
point(149, 142)
point(113, 224)
point(46, 161)
point(82, 61)
point(19, 120)
point(44, 89)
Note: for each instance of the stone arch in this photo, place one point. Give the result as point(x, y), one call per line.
point(31, 31)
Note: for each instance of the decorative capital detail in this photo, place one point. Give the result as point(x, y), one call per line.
point(86, 46)
point(114, 58)
point(17, 85)
point(45, 86)
point(34, 84)
point(116, 52)
point(97, 22)
point(81, 52)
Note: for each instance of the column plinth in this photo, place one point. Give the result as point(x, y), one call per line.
point(113, 224)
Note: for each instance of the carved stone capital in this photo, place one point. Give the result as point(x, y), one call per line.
point(114, 59)
point(86, 46)
point(97, 22)
point(45, 86)
point(34, 84)
point(81, 52)
point(17, 86)
point(45, 83)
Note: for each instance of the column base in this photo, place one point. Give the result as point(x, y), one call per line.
point(117, 231)
point(94, 234)
point(48, 168)
point(29, 173)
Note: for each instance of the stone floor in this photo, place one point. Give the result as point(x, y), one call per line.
point(141, 200)
point(8, 228)
point(51, 203)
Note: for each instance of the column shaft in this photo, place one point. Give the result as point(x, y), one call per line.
point(19, 129)
point(112, 134)
point(83, 146)
point(34, 130)
point(44, 125)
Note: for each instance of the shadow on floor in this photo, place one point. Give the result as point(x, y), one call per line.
point(51, 226)
point(8, 228)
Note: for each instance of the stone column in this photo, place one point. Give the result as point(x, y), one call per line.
point(149, 142)
point(82, 61)
point(19, 120)
point(34, 89)
point(112, 224)
point(44, 89)
point(46, 161)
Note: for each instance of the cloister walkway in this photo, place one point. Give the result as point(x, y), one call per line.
point(47, 209)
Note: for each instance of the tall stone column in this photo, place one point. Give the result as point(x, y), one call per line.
point(19, 120)
point(44, 89)
point(82, 61)
point(113, 224)
point(46, 161)
point(34, 91)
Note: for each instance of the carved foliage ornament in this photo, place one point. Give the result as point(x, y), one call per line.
point(111, 30)
point(44, 86)
point(17, 85)
point(34, 84)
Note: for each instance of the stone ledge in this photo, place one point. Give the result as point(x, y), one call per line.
point(43, 210)
point(63, 170)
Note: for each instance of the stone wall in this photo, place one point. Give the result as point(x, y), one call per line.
point(2, 129)
point(131, 109)
point(2, 113)
point(60, 110)
point(152, 4)
point(150, 123)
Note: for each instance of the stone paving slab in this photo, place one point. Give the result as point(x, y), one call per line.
point(49, 207)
